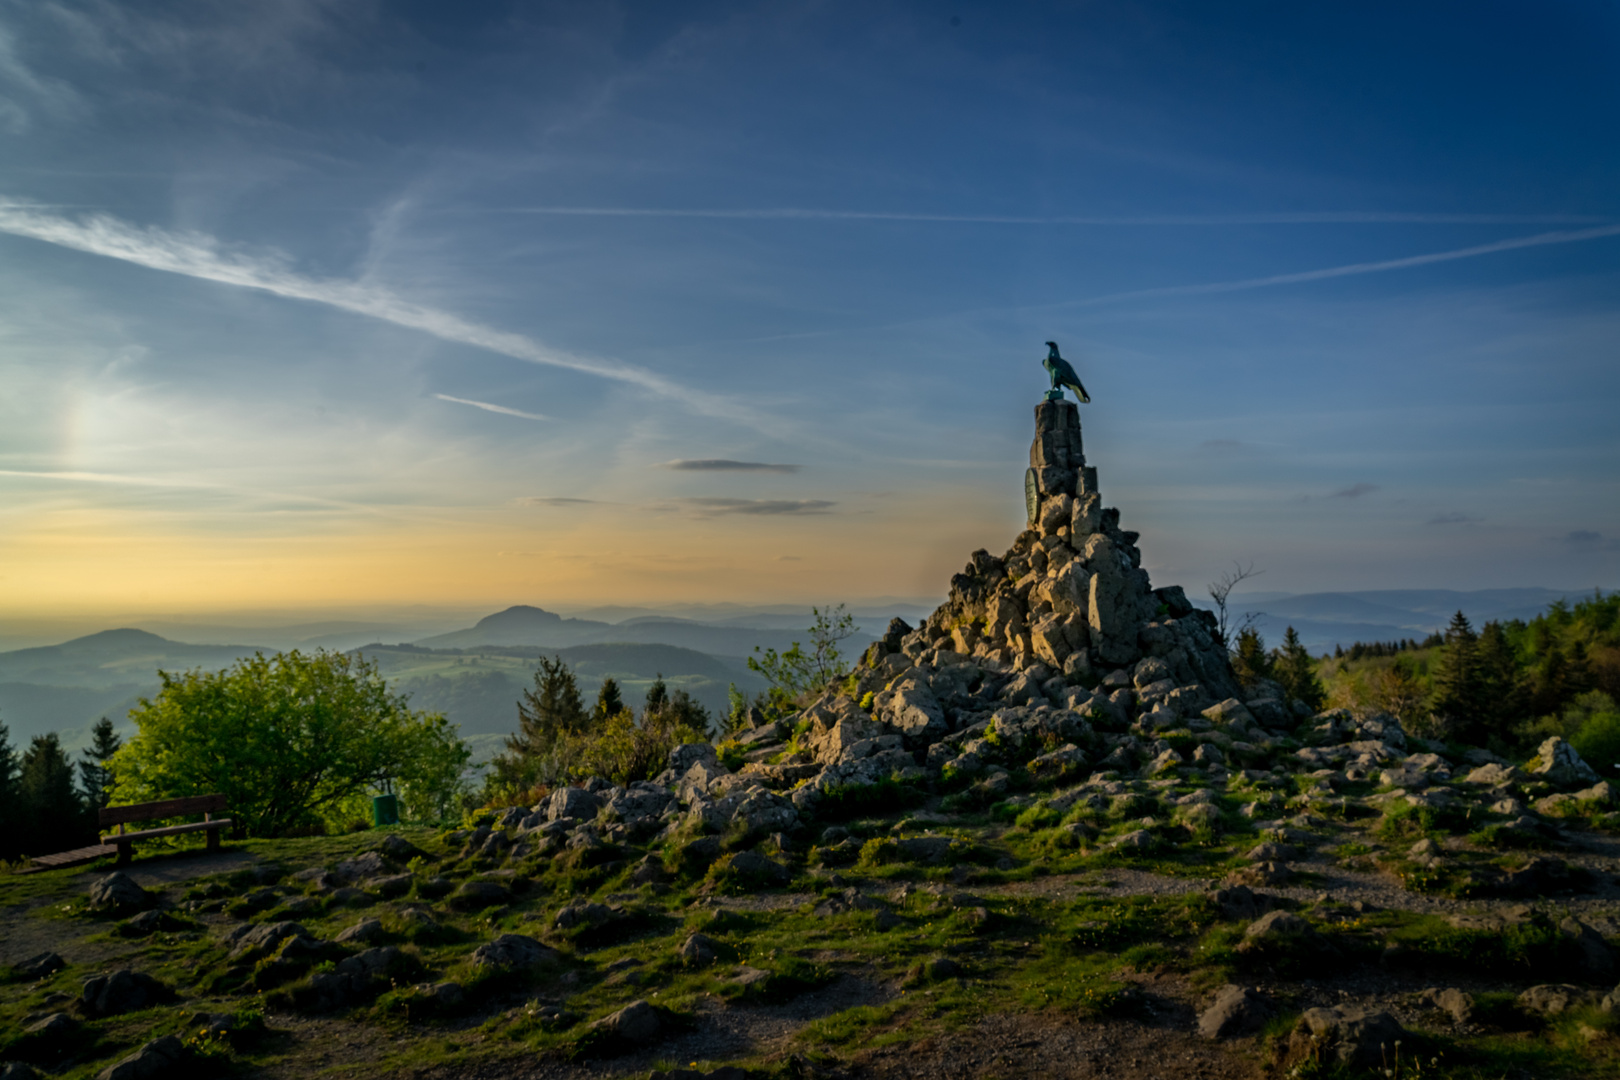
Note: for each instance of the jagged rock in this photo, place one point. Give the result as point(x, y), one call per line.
point(1066, 761)
point(41, 965)
point(155, 1059)
point(1601, 792)
point(1453, 1002)
point(473, 895)
point(441, 996)
point(117, 892)
point(1541, 876)
point(1241, 902)
point(699, 950)
point(250, 942)
point(637, 1022)
point(512, 952)
point(1347, 1035)
point(353, 980)
point(365, 930)
point(1493, 774)
point(16, 1070)
point(1597, 959)
point(399, 849)
point(1558, 763)
point(583, 914)
point(756, 867)
point(391, 886)
point(1550, 999)
point(1236, 1010)
point(52, 1030)
point(368, 865)
point(121, 991)
point(572, 804)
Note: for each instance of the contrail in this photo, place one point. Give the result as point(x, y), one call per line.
point(1308, 217)
point(487, 407)
point(106, 478)
point(197, 256)
point(1538, 240)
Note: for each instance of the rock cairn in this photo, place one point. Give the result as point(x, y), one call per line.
point(1056, 672)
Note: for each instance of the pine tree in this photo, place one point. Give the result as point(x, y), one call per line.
point(1458, 699)
point(11, 831)
point(53, 817)
point(1503, 699)
point(95, 774)
point(550, 709)
point(609, 701)
point(657, 696)
point(1296, 671)
point(1250, 660)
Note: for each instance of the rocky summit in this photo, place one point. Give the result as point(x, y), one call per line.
point(1046, 832)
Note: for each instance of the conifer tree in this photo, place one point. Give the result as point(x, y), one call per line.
point(1250, 660)
point(1458, 698)
point(549, 709)
point(1296, 671)
point(10, 798)
point(1502, 688)
point(53, 813)
point(95, 774)
point(609, 701)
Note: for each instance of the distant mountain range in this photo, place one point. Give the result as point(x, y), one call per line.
point(474, 674)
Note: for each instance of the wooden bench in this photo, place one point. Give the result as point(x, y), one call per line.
point(206, 805)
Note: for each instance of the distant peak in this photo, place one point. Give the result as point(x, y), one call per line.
point(520, 613)
point(123, 636)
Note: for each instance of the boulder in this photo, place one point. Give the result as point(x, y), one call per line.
point(756, 867)
point(1348, 1036)
point(474, 895)
point(51, 1030)
point(572, 804)
point(16, 1070)
point(1236, 1010)
point(1557, 763)
point(1453, 1002)
point(365, 930)
point(156, 1059)
point(390, 886)
point(1596, 958)
point(699, 950)
point(584, 914)
point(399, 849)
point(442, 996)
point(121, 991)
point(637, 1022)
point(1067, 760)
point(41, 966)
point(251, 942)
point(512, 952)
point(1493, 774)
point(1550, 999)
point(361, 867)
point(117, 892)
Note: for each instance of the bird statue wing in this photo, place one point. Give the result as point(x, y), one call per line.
point(1065, 375)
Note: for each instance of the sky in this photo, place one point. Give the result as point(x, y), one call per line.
point(341, 306)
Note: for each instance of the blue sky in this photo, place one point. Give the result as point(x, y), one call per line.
point(325, 305)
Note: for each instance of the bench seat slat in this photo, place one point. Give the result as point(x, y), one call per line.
point(77, 855)
point(170, 830)
point(192, 804)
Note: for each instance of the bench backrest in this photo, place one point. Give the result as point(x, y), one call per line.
point(147, 811)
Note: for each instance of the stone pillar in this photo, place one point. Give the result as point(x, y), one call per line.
point(1057, 456)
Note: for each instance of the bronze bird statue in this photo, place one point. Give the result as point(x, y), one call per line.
point(1062, 373)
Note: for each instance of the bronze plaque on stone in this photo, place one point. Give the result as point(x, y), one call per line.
point(1032, 496)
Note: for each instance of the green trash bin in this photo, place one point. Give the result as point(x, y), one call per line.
point(385, 810)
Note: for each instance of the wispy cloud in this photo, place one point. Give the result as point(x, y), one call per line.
point(1589, 540)
point(711, 507)
point(487, 407)
point(725, 465)
point(106, 478)
point(1306, 217)
point(198, 256)
point(556, 500)
point(1454, 518)
point(1355, 491)
point(1539, 240)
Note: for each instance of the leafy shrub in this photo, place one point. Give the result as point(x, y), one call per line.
point(841, 801)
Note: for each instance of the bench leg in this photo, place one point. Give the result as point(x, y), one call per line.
point(213, 839)
point(126, 852)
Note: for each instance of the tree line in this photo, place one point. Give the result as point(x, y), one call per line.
point(48, 802)
point(1507, 685)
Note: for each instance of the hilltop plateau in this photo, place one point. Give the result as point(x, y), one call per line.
point(1047, 831)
